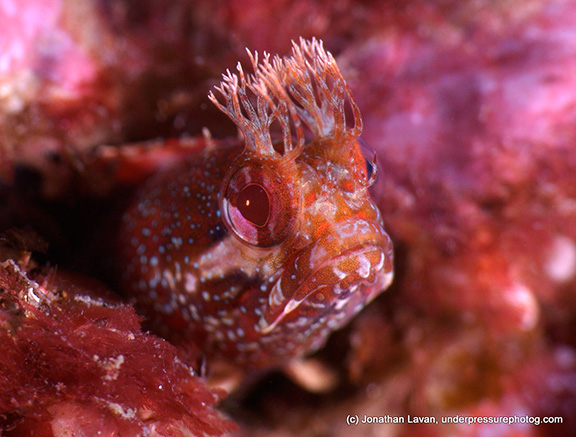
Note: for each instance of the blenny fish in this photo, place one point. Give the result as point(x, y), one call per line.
point(256, 250)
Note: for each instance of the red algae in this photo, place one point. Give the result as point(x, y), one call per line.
point(72, 362)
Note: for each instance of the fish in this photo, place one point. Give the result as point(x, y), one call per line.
point(256, 250)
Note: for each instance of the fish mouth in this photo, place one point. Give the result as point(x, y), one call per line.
point(335, 286)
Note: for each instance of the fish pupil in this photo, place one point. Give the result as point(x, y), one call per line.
point(369, 169)
point(254, 204)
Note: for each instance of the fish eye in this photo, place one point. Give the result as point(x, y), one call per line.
point(259, 205)
point(370, 168)
point(253, 203)
point(371, 160)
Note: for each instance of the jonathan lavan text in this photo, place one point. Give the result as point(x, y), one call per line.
point(398, 419)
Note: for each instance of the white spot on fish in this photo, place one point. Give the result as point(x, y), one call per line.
point(339, 273)
point(190, 282)
point(364, 268)
point(276, 296)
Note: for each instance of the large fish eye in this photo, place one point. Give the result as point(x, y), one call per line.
point(258, 203)
point(253, 204)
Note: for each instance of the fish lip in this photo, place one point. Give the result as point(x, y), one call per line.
point(382, 278)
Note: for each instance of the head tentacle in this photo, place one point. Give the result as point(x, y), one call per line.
point(304, 89)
